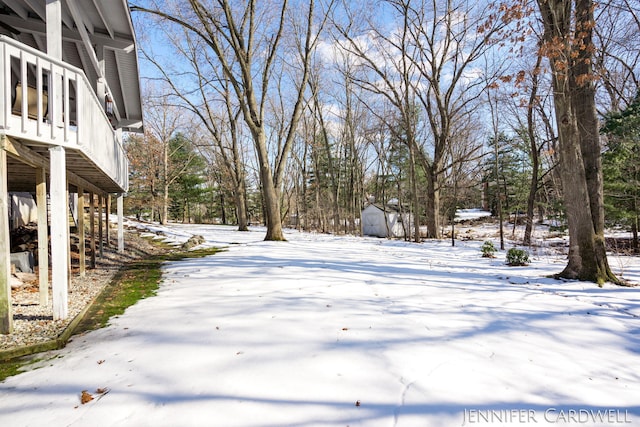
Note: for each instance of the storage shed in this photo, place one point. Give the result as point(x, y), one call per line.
point(384, 220)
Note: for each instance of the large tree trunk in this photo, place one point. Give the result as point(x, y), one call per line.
point(576, 195)
point(269, 193)
point(579, 146)
point(584, 105)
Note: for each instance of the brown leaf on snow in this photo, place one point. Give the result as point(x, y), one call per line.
point(85, 397)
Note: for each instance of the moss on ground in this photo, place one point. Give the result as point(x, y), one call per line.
point(138, 280)
point(12, 367)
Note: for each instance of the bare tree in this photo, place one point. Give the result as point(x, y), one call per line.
point(352, 121)
point(246, 39)
point(324, 138)
point(164, 120)
point(424, 65)
point(210, 100)
point(390, 74)
point(146, 156)
point(529, 119)
point(617, 57)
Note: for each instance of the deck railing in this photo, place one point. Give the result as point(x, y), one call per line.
point(61, 108)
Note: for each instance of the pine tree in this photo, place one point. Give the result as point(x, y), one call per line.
point(621, 167)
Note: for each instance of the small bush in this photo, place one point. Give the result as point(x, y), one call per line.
point(488, 249)
point(517, 257)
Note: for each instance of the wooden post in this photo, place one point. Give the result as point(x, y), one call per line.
point(59, 232)
point(70, 217)
point(43, 235)
point(100, 224)
point(6, 316)
point(120, 203)
point(92, 229)
point(107, 229)
point(81, 245)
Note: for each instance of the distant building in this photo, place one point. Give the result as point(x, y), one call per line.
point(385, 220)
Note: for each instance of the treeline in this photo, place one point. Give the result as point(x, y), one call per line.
point(300, 112)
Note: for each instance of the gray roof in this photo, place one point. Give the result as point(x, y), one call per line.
point(108, 24)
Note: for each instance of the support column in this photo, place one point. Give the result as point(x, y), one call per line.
point(43, 235)
point(59, 232)
point(54, 28)
point(6, 316)
point(107, 220)
point(100, 224)
point(92, 229)
point(70, 219)
point(81, 245)
point(120, 203)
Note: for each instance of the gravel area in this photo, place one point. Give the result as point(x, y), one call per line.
point(33, 323)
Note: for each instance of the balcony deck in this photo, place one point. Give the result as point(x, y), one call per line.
point(61, 110)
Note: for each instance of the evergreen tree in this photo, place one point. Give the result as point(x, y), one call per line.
point(187, 191)
point(621, 167)
point(506, 177)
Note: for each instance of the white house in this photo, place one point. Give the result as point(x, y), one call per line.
point(385, 220)
point(69, 86)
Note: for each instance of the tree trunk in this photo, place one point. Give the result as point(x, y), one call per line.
point(535, 154)
point(634, 232)
point(333, 180)
point(240, 191)
point(433, 205)
point(584, 105)
point(414, 193)
point(241, 208)
point(223, 211)
point(165, 186)
point(269, 194)
point(579, 163)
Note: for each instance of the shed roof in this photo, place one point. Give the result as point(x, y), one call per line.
point(384, 208)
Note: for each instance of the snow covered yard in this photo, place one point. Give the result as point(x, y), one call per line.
point(346, 331)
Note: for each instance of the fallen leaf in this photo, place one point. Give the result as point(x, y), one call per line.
point(85, 397)
point(345, 329)
point(357, 403)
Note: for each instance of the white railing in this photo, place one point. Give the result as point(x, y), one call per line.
point(61, 108)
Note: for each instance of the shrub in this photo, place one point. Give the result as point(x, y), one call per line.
point(488, 249)
point(517, 256)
